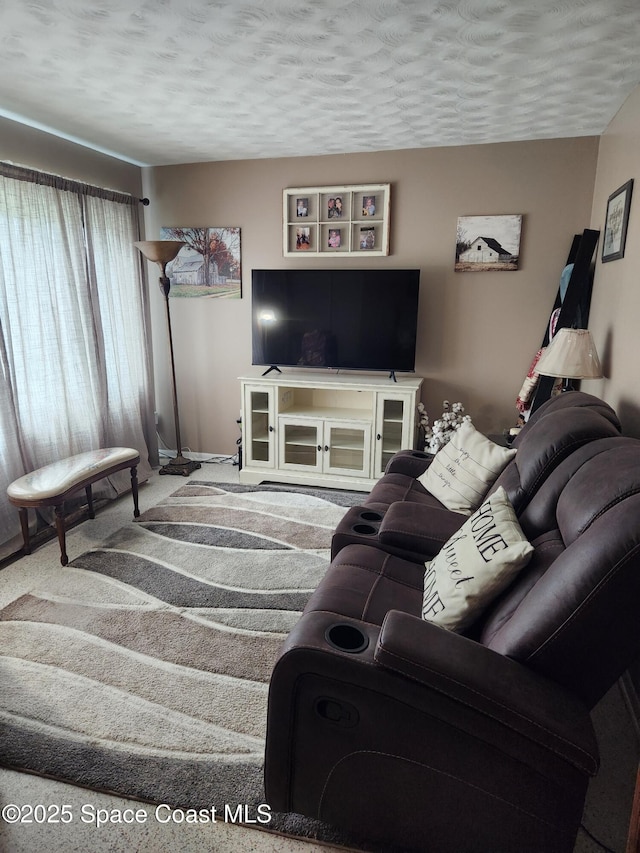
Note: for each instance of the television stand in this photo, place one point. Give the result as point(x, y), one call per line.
point(273, 367)
point(334, 430)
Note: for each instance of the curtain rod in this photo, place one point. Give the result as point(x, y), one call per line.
point(23, 173)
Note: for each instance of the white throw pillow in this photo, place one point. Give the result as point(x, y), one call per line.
point(461, 472)
point(475, 565)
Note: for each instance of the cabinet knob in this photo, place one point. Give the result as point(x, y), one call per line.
point(270, 429)
point(319, 448)
point(378, 437)
point(326, 448)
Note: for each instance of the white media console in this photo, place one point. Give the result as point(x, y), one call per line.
point(336, 430)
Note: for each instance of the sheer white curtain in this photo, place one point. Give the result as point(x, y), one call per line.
point(75, 369)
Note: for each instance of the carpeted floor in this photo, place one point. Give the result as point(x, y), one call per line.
point(111, 702)
point(143, 670)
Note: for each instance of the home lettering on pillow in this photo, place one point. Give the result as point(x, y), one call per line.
point(475, 564)
point(432, 603)
point(488, 540)
point(485, 533)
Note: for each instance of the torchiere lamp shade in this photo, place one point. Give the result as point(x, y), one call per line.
point(160, 251)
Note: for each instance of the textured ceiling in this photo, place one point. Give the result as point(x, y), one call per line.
point(179, 81)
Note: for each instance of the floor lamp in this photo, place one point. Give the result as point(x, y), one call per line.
point(162, 252)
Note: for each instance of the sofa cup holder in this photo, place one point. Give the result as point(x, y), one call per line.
point(346, 638)
point(371, 515)
point(369, 522)
point(364, 529)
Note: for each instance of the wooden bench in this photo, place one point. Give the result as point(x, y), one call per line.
point(54, 483)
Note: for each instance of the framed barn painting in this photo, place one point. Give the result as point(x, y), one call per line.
point(616, 222)
point(488, 243)
point(208, 265)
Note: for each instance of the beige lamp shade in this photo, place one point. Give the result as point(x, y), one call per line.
point(570, 355)
point(160, 251)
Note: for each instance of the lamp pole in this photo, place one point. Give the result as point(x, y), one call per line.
point(162, 252)
point(180, 464)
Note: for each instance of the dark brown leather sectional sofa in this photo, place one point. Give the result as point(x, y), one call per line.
point(412, 736)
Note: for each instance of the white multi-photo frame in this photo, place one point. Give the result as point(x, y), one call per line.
point(348, 220)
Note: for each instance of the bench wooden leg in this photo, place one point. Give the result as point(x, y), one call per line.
point(134, 490)
point(59, 513)
point(24, 525)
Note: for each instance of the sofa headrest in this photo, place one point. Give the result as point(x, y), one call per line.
point(597, 486)
point(539, 516)
point(578, 623)
point(545, 445)
point(572, 399)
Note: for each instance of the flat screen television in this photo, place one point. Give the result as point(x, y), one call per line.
point(341, 319)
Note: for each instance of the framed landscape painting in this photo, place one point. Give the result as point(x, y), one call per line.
point(488, 243)
point(209, 265)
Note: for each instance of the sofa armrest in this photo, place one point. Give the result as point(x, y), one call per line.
point(497, 687)
point(362, 735)
point(417, 529)
point(413, 463)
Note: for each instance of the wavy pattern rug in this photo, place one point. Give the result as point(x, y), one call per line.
point(143, 668)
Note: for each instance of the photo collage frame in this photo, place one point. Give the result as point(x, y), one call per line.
point(347, 220)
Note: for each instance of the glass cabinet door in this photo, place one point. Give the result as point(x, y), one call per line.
point(392, 434)
point(300, 444)
point(259, 430)
point(347, 448)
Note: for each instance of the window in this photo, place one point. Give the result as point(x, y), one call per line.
point(75, 365)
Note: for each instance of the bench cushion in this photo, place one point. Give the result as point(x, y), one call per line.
point(51, 483)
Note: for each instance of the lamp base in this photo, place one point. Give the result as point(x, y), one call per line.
point(180, 465)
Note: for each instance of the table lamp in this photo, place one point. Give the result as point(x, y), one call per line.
point(570, 355)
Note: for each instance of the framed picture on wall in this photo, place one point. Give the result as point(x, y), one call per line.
point(488, 243)
point(208, 265)
point(616, 222)
point(312, 217)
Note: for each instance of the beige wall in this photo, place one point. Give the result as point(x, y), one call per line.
point(26, 146)
point(615, 306)
point(477, 331)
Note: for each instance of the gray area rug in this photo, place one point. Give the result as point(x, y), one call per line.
point(143, 670)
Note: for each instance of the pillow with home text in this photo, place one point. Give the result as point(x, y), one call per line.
point(476, 564)
point(462, 472)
